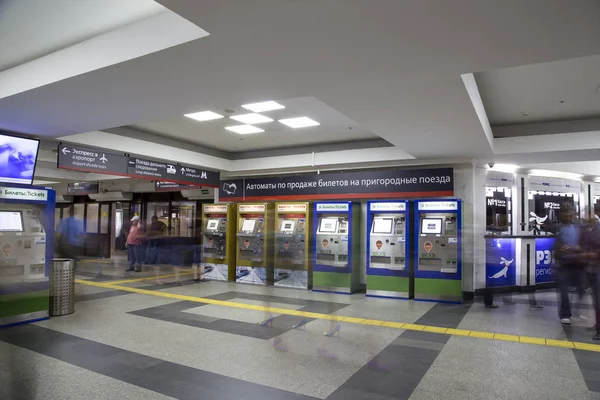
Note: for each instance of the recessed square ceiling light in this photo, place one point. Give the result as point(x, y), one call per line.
point(204, 116)
point(251, 118)
point(300, 122)
point(264, 106)
point(244, 129)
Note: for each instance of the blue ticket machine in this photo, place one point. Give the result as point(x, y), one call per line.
point(438, 250)
point(26, 249)
point(388, 251)
point(337, 247)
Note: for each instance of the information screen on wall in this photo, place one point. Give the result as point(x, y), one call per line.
point(17, 159)
point(435, 182)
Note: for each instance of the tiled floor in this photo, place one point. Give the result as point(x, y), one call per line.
point(123, 345)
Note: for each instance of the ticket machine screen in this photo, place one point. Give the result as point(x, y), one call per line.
point(287, 226)
point(11, 221)
point(212, 225)
point(248, 226)
point(383, 225)
point(431, 226)
point(328, 225)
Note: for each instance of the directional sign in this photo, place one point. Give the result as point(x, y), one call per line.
point(163, 186)
point(149, 169)
point(100, 161)
point(91, 160)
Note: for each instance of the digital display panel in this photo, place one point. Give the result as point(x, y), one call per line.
point(212, 225)
point(382, 225)
point(287, 225)
point(431, 226)
point(248, 225)
point(11, 221)
point(328, 225)
point(17, 159)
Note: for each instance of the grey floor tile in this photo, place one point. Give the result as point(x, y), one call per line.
point(401, 368)
point(135, 360)
point(99, 295)
point(445, 315)
point(27, 375)
point(167, 378)
point(419, 343)
point(351, 394)
point(425, 336)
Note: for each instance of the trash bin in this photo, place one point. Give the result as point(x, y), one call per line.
point(62, 287)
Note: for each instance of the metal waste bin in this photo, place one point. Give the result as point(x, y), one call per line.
point(62, 287)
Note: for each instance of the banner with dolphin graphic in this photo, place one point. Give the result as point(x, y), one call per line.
point(500, 266)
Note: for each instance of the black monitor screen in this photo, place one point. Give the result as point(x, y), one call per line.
point(17, 159)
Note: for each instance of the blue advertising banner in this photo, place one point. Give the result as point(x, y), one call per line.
point(500, 266)
point(544, 260)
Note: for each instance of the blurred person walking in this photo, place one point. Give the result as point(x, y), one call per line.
point(71, 238)
point(590, 243)
point(569, 259)
point(135, 253)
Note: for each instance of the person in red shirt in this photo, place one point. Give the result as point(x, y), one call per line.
point(135, 252)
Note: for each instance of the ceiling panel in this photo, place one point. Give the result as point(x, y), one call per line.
point(30, 29)
point(553, 91)
point(335, 127)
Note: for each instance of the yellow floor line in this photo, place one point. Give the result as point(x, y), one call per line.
point(353, 320)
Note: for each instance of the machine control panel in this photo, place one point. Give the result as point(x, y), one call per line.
point(215, 235)
point(23, 246)
point(388, 241)
point(438, 242)
point(251, 239)
point(332, 241)
point(290, 239)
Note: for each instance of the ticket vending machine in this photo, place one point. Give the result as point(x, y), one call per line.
point(388, 251)
point(218, 241)
point(26, 249)
point(292, 247)
point(438, 250)
point(254, 254)
point(337, 247)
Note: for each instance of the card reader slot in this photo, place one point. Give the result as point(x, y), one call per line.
point(246, 253)
point(326, 257)
point(381, 260)
point(286, 254)
point(437, 262)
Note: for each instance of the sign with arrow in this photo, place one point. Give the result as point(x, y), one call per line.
point(91, 160)
point(100, 161)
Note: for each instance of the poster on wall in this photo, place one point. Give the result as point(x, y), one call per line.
point(500, 264)
point(497, 212)
point(435, 182)
point(544, 260)
point(544, 211)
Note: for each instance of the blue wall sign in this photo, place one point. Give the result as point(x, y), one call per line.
point(544, 260)
point(500, 265)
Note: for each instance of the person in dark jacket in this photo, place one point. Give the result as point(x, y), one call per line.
point(590, 243)
point(569, 261)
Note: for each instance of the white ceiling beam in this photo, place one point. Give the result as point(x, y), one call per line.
point(149, 35)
